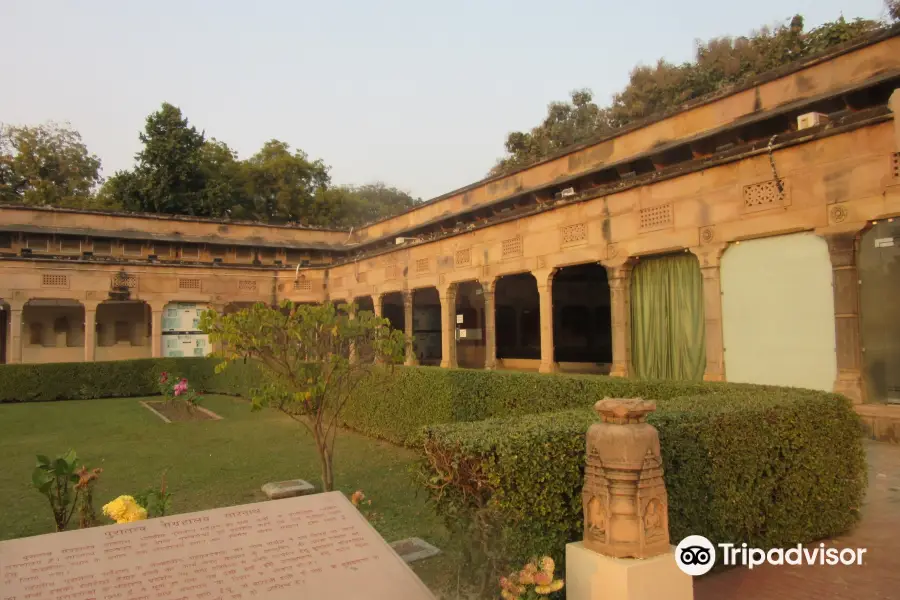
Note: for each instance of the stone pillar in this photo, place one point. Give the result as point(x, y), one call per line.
point(709, 258)
point(156, 312)
point(490, 331)
point(90, 330)
point(544, 279)
point(447, 295)
point(845, 282)
point(410, 359)
point(894, 105)
point(376, 304)
point(14, 334)
point(619, 278)
point(353, 355)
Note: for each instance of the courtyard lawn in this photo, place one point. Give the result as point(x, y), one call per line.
point(209, 464)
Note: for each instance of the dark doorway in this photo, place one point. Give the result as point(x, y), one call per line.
point(427, 326)
point(582, 325)
point(518, 318)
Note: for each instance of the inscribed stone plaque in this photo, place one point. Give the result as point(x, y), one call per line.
point(315, 546)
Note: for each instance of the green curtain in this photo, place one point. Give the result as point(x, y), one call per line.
point(668, 330)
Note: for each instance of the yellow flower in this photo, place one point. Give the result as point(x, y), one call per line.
point(543, 578)
point(526, 577)
point(547, 565)
point(555, 586)
point(124, 509)
point(508, 595)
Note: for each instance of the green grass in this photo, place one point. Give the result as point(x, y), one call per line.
point(209, 464)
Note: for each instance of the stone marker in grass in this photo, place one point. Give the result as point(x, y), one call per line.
point(288, 489)
point(413, 549)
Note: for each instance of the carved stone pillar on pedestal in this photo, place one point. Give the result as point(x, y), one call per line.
point(544, 279)
point(448, 325)
point(410, 360)
point(626, 508)
point(490, 331)
point(619, 277)
point(709, 257)
point(845, 278)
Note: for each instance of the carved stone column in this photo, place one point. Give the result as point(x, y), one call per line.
point(14, 335)
point(410, 360)
point(90, 330)
point(619, 278)
point(447, 295)
point(626, 508)
point(490, 331)
point(845, 282)
point(709, 257)
point(544, 279)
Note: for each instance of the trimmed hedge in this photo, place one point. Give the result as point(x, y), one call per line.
point(770, 468)
point(396, 404)
point(117, 379)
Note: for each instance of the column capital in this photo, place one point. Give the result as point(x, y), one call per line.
point(709, 255)
point(842, 248)
point(488, 284)
point(544, 277)
point(90, 305)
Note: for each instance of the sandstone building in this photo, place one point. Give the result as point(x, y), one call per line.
point(746, 237)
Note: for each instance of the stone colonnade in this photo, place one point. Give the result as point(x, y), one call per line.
point(842, 249)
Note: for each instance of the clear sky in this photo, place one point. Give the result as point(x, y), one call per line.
point(416, 93)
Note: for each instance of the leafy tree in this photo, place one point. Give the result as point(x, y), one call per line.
point(351, 206)
point(169, 177)
point(305, 355)
point(652, 90)
point(224, 177)
point(46, 165)
point(893, 9)
point(283, 186)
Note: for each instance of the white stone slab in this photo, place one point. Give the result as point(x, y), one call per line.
point(288, 489)
point(317, 546)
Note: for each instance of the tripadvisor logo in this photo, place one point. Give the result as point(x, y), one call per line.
point(696, 555)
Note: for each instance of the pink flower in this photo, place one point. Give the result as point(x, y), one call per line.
point(163, 377)
point(180, 387)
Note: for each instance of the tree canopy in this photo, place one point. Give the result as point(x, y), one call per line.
point(652, 90)
point(46, 165)
point(180, 171)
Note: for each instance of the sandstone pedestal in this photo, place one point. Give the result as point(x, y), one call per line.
point(288, 489)
point(593, 576)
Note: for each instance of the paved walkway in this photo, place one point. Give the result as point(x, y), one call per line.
point(878, 531)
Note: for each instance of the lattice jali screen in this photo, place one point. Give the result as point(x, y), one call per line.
point(656, 217)
point(303, 285)
point(760, 196)
point(120, 280)
point(512, 247)
point(247, 285)
point(463, 257)
point(422, 265)
point(572, 234)
point(54, 281)
point(188, 284)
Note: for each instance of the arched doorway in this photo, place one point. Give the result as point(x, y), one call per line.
point(469, 326)
point(582, 325)
point(518, 322)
